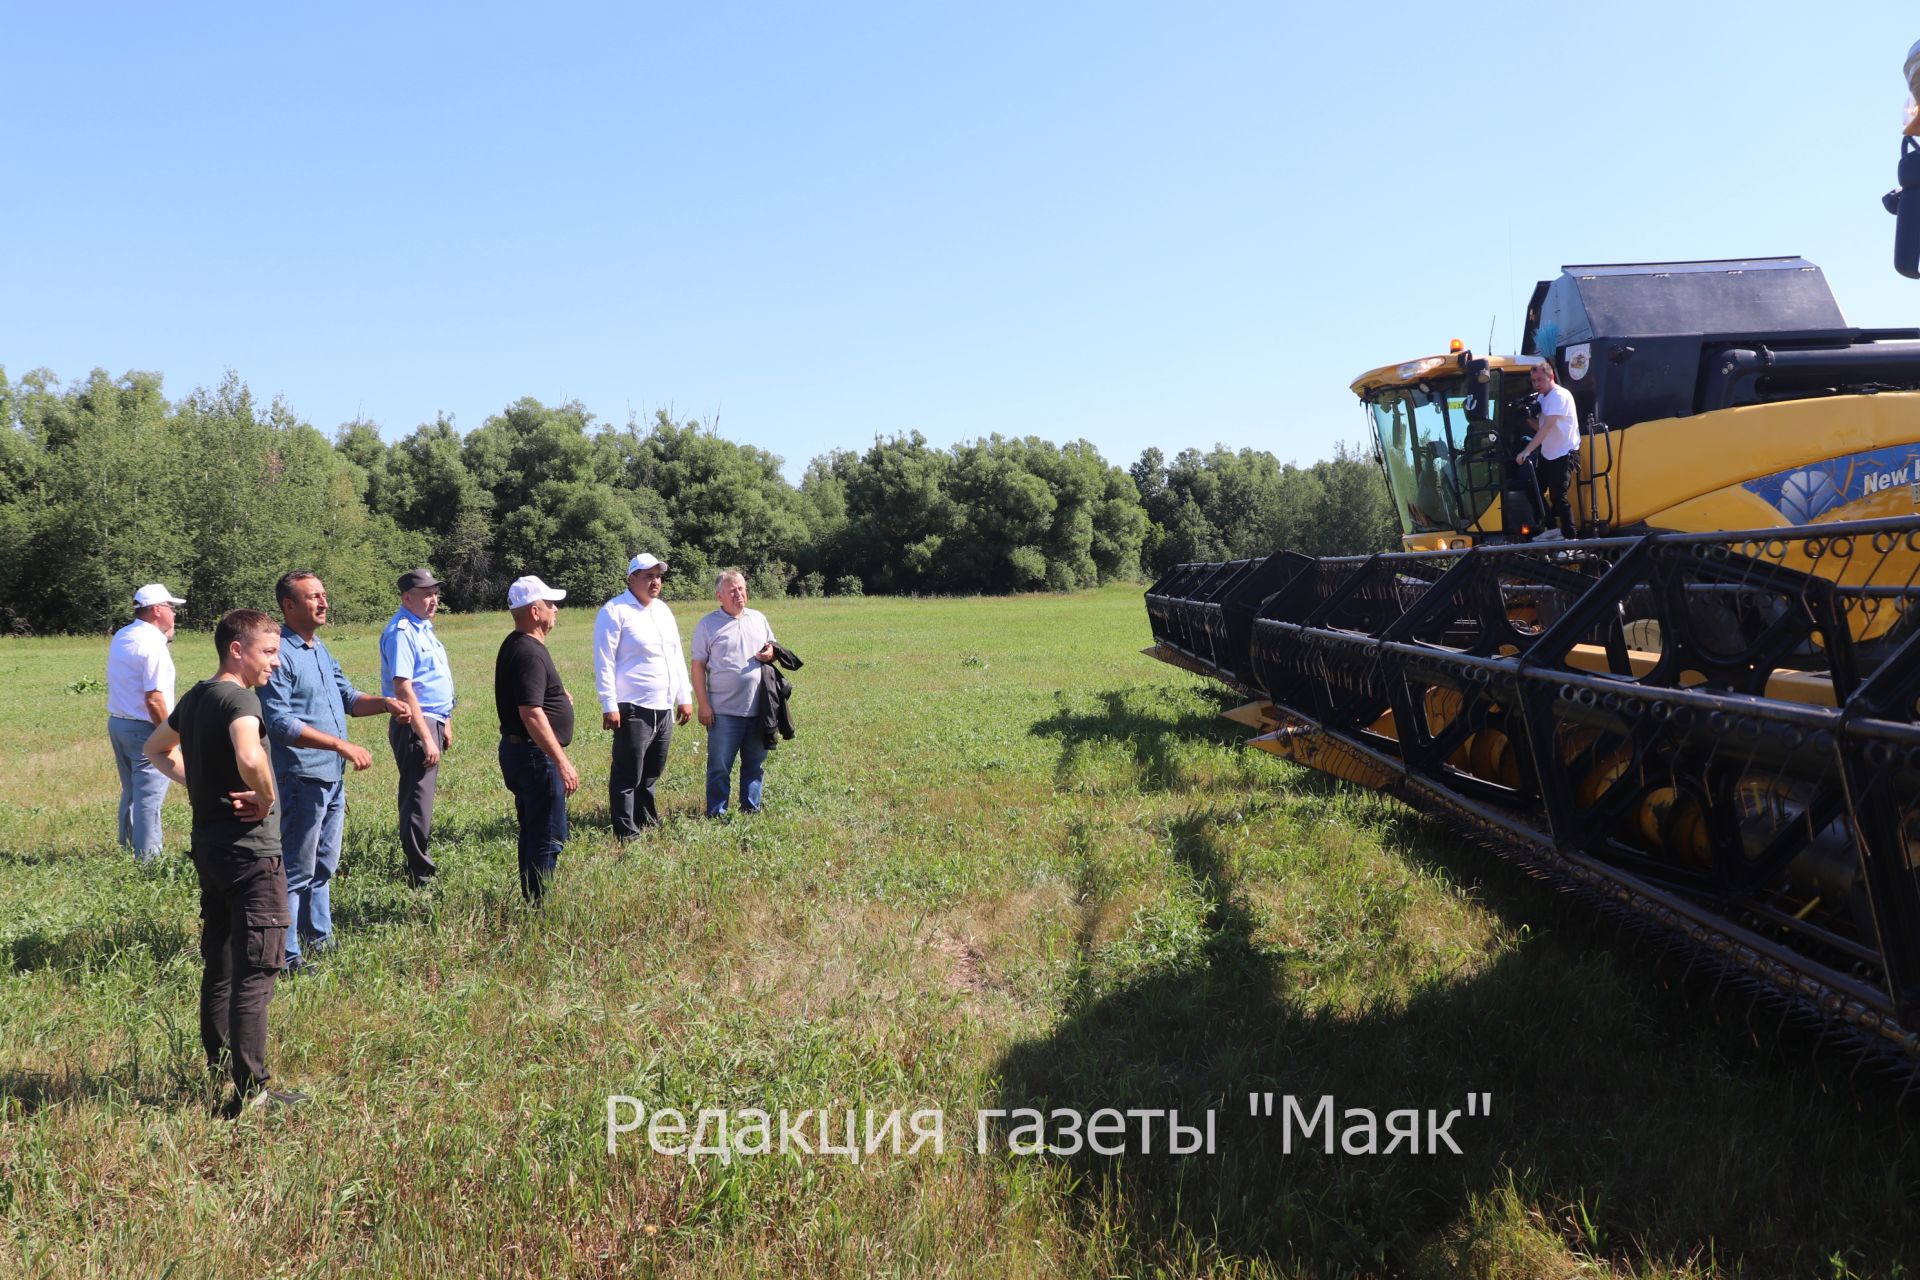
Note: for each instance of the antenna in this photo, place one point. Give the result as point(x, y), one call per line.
point(1490, 323)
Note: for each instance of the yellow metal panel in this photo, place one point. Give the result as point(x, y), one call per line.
point(1254, 715)
point(1660, 465)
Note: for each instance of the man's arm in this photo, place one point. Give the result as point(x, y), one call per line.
point(700, 693)
point(356, 703)
point(372, 704)
point(1539, 431)
point(156, 702)
point(308, 736)
point(606, 647)
point(677, 674)
point(417, 718)
point(276, 706)
point(250, 757)
point(163, 749)
point(764, 655)
point(541, 731)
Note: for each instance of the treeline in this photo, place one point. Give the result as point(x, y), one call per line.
point(105, 484)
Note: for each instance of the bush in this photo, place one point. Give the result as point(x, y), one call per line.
point(769, 581)
point(811, 584)
point(848, 584)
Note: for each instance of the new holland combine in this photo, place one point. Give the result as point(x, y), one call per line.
point(1702, 712)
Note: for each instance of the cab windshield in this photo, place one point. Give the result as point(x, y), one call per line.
point(1442, 474)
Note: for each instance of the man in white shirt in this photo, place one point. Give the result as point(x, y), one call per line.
point(140, 696)
point(640, 674)
point(1556, 436)
point(730, 646)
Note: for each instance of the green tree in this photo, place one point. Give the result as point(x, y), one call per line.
point(426, 487)
point(719, 503)
point(98, 510)
point(574, 534)
point(898, 515)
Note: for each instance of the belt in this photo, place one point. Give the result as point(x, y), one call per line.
point(516, 738)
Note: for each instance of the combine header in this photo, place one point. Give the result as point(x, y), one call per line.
point(1702, 712)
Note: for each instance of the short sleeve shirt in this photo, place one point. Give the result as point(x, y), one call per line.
point(204, 720)
point(524, 676)
point(138, 662)
point(410, 650)
point(727, 645)
point(1560, 422)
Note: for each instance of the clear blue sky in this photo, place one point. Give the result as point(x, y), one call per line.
point(1142, 224)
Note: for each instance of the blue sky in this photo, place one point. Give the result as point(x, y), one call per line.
point(1138, 224)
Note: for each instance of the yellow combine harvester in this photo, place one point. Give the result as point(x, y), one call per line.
point(1701, 711)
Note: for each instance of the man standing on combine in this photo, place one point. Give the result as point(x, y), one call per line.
point(414, 669)
point(1556, 435)
point(641, 677)
point(306, 705)
point(214, 746)
point(140, 696)
point(730, 646)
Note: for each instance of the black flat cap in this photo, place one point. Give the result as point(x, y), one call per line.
point(414, 579)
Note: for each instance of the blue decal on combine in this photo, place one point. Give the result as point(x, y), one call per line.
point(1806, 493)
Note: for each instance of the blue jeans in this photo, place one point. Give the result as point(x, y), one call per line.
point(312, 813)
point(142, 787)
point(540, 803)
point(733, 736)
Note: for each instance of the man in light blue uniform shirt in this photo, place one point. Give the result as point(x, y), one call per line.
point(414, 669)
point(305, 704)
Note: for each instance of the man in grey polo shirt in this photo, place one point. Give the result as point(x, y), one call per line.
point(730, 645)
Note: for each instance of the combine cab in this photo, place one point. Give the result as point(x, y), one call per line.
point(1702, 712)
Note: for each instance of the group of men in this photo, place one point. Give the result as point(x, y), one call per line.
point(262, 748)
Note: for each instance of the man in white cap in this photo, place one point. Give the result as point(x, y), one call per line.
point(536, 728)
point(140, 696)
point(640, 673)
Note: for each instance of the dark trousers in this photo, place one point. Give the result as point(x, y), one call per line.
point(1556, 478)
point(639, 758)
point(540, 804)
point(243, 939)
point(417, 781)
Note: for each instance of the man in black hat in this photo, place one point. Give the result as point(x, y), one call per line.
point(415, 670)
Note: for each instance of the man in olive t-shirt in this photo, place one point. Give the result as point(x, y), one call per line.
point(214, 745)
point(536, 727)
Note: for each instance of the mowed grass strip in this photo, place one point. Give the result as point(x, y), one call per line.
point(1008, 862)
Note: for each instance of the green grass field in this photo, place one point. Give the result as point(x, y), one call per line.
point(1008, 862)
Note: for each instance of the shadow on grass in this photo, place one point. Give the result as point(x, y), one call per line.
point(96, 943)
point(1624, 1123)
point(1153, 722)
point(22, 1093)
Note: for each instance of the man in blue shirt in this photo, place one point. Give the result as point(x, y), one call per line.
point(414, 669)
point(305, 704)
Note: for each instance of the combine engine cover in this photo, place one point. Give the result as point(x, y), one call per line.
point(1644, 341)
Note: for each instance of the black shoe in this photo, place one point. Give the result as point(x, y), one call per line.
point(296, 965)
point(263, 1100)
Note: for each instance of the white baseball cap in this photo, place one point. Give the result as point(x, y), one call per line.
point(525, 591)
point(643, 562)
point(154, 593)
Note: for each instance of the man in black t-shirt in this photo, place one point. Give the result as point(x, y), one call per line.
point(213, 745)
point(536, 727)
